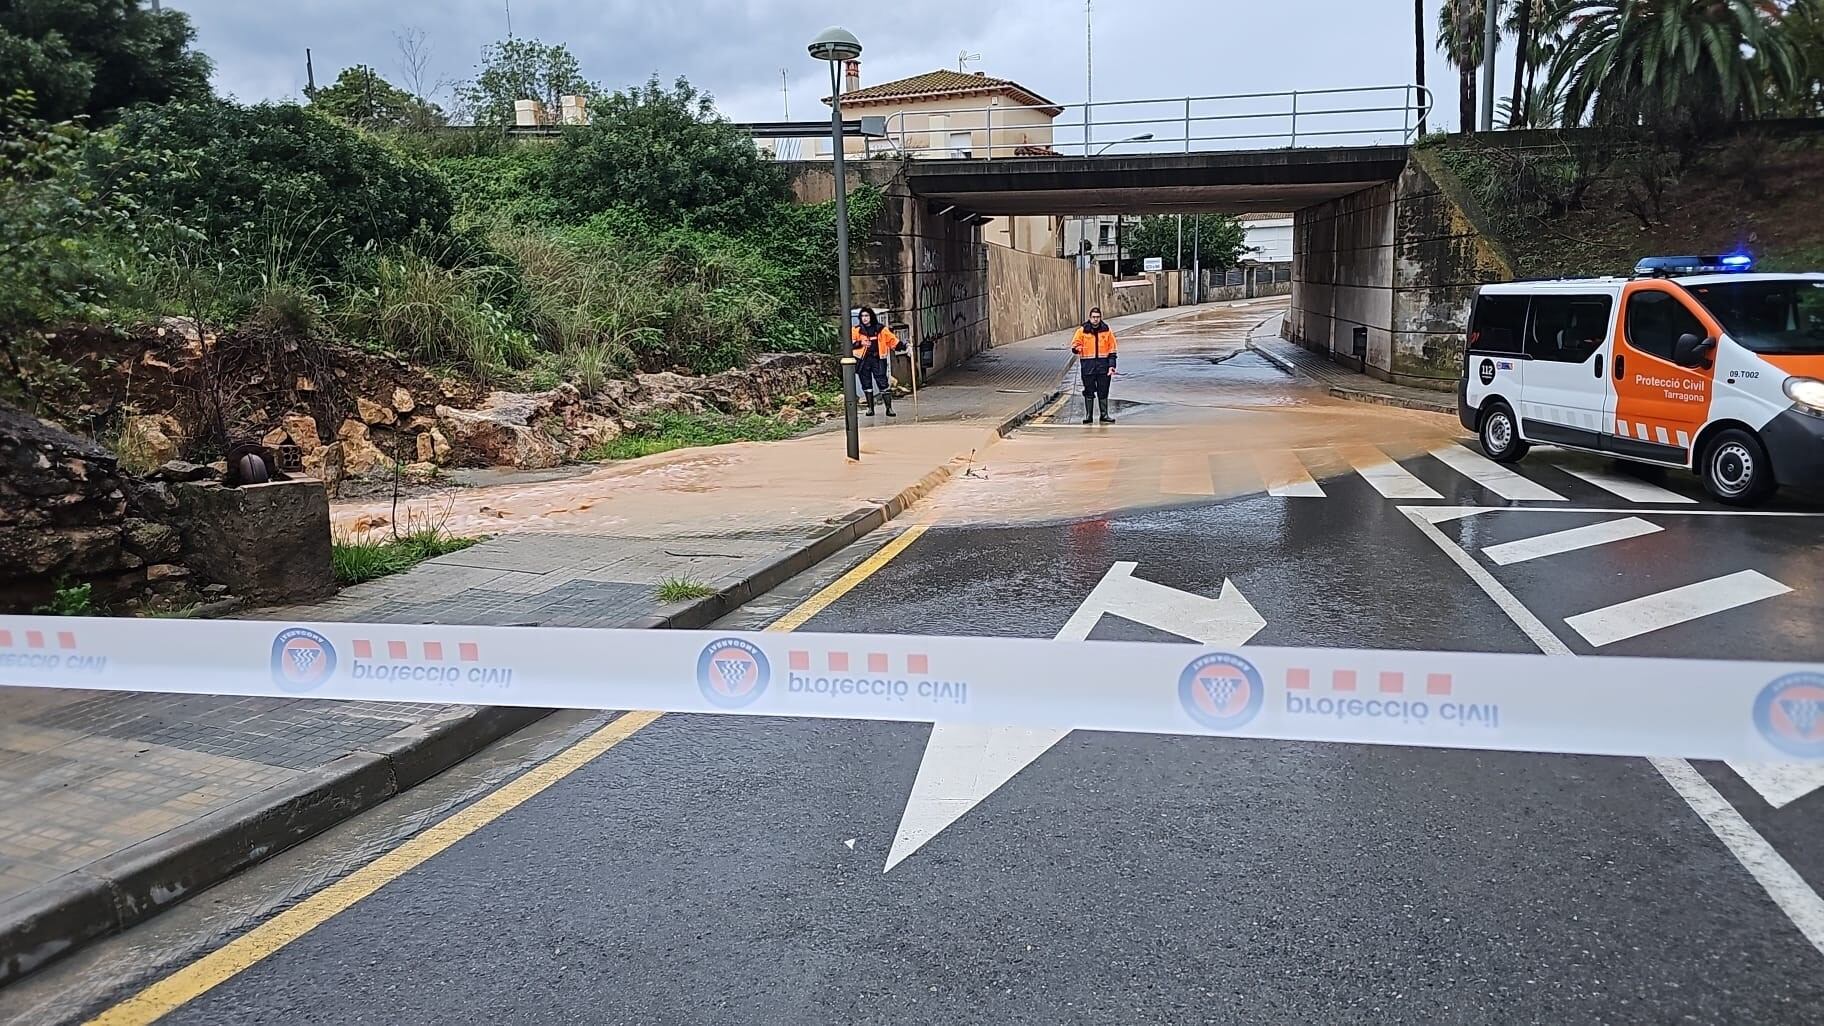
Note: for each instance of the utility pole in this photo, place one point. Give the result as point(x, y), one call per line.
point(310, 75)
point(1197, 259)
point(1490, 36)
point(1089, 69)
point(1418, 56)
point(509, 4)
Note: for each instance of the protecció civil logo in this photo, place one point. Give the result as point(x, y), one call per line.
point(733, 673)
point(302, 660)
point(1790, 714)
point(1221, 691)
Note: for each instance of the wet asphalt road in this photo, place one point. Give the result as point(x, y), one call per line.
point(726, 870)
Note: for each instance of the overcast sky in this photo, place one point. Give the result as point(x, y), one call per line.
point(736, 48)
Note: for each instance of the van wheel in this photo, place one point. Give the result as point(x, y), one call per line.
point(1736, 469)
point(1500, 435)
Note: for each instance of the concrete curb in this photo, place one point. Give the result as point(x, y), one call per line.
point(1356, 395)
point(122, 889)
point(135, 883)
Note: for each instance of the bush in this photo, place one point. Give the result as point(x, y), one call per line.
point(356, 561)
point(668, 154)
point(670, 431)
point(238, 176)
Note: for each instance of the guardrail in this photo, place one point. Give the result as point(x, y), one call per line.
point(1184, 124)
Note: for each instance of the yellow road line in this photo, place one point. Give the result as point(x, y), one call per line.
point(219, 966)
point(247, 950)
point(842, 585)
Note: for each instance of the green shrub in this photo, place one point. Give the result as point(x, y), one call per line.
point(238, 175)
point(669, 154)
point(70, 600)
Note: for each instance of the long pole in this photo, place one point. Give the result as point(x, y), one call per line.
point(1418, 56)
point(1490, 36)
point(1089, 70)
point(1197, 259)
point(849, 399)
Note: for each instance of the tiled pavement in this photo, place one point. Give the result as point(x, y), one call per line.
point(1343, 382)
point(84, 775)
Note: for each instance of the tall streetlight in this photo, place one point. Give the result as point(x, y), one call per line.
point(837, 45)
point(1144, 137)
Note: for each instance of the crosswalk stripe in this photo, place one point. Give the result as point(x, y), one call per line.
point(1285, 475)
point(1650, 613)
point(1576, 538)
point(1493, 476)
point(1186, 475)
point(1781, 783)
point(1631, 489)
point(1389, 478)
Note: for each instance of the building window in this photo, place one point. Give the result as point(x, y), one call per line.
point(1104, 236)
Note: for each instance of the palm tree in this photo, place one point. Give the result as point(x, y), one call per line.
point(1418, 57)
point(1460, 31)
point(1536, 27)
point(1663, 64)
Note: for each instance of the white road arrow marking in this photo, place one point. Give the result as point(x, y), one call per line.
point(965, 763)
point(1781, 783)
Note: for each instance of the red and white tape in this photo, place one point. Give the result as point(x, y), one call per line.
point(1610, 706)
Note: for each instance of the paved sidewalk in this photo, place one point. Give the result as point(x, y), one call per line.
point(115, 805)
point(1340, 380)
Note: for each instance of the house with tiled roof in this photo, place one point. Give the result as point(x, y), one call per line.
point(948, 113)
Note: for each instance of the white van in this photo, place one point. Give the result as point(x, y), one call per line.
point(1692, 363)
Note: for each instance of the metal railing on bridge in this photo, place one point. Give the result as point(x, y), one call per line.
point(1366, 115)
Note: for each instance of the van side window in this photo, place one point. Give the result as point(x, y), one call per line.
point(1656, 320)
point(1497, 324)
point(1567, 329)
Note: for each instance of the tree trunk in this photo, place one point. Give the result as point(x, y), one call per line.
point(1523, 43)
point(1466, 97)
point(1418, 57)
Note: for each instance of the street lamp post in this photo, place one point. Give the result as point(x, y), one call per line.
point(837, 45)
point(1145, 137)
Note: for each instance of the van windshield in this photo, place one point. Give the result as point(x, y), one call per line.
point(1780, 316)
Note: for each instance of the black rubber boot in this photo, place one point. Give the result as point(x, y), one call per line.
point(1089, 408)
point(888, 396)
point(870, 397)
point(1106, 419)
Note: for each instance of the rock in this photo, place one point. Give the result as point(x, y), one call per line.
point(352, 430)
point(153, 542)
point(422, 471)
point(274, 438)
point(421, 422)
point(403, 401)
point(148, 440)
point(215, 589)
point(427, 449)
point(302, 430)
point(792, 416)
point(267, 542)
point(304, 384)
point(128, 561)
point(374, 413)
point(220, 467)
point(440, 447)
point(179, 470)
point(512, 429)
point(150, 498)
point(166, 572)
point(361, 458)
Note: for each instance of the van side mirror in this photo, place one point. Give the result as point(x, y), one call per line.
point(1691, 351)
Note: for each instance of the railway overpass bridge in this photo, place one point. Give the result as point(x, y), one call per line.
point(1385, 261)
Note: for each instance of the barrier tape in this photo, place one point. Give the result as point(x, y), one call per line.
point(1605, 706)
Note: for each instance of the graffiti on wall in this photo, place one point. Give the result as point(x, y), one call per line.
point(950, 307)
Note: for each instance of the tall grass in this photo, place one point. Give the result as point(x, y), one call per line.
point(356, 560)
point(438, 315)
point(594, 313)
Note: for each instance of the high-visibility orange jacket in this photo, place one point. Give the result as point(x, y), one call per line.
point(883, 343)
point(1095, 344)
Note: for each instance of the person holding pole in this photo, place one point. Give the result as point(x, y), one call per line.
point(873, 344)
point(1095, 348)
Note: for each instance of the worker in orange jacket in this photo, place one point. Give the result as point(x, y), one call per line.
point(873, 344)
point(1095, 349)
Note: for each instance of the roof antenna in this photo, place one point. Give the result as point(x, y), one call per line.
point(964, 58)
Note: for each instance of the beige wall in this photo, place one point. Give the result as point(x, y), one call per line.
point(1031, 294)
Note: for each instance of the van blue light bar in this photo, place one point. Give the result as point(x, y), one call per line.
point(1666, 266)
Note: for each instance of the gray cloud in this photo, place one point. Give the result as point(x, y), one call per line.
point(736, 48)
